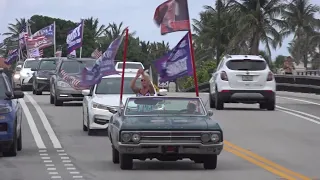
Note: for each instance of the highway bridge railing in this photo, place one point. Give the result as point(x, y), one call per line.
point(290, 83)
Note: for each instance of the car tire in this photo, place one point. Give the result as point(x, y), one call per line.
point(19, 146)
point(211, 101)
point(263, 105)
point(38, 92)
point(57, 102)
point(271, 105)
point(115, 155)
point(126, 162)
point(84, 127)
point(51, 97)
point(218, 102)
point(90, 131)
point(13, 148)
point(210, 162)
point(33, 91)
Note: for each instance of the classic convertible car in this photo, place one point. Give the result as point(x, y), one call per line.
point(164, 128)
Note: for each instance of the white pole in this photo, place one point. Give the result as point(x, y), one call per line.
point(82, 21)
point(54, 39)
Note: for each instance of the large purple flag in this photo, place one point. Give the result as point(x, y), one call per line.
point(176, 63)
point(12, 56)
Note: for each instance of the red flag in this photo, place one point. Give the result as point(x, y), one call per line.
point(172, 16)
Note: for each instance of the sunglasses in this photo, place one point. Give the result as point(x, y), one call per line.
point(142, 80)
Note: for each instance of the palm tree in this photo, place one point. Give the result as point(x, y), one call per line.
point(15, 29)
point(300, 18)
point(93, 25)
point(259, 19)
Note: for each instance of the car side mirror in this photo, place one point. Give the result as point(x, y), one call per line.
point(86, 92)
point(162, 92)
point(210, 113)
point(34, 69)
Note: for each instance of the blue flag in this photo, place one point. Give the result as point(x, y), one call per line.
point(12, 56)
point(104, 66)
point(176, 63)
point(74, 37)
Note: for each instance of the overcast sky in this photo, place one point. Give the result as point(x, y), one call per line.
point(137, 14)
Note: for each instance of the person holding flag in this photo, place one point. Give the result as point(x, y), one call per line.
point(146, 85)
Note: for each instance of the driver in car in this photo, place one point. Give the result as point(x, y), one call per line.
point(191, 108)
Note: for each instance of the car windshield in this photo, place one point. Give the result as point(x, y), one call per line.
point(130, 66)
point(247, 65)
point(48, 64)
point(3, 88)
point(166, 106)
point(112, 85)
point(74, 67)
point(31, 64)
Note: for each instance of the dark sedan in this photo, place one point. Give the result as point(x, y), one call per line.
point(42, 74)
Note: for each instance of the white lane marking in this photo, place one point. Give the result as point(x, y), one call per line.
point(74, 172)
point(42, 150)
point(77, 177)
point(49, 165)
point(47, 161)
point(66, 161)
point(51, 169)
point(55, 177)
point(53, 173)
point(300, 112)
point(68, 164)
point(45, 158)
point(32, 125)
point(56, 143)
point(63, 154)
point(60, 150)
point(297, 115)
point(309, 102)
point(65, 158)
point(71, 168)
point(43, 154)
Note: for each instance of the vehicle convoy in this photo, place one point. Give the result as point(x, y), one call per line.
point(10, 118)
point(242, 79)
point(61, 91)
point(102, 100)
point(42, 74)
point(26, 73)
point(181, 129)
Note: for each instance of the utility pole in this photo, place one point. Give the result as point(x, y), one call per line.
point(219, 31)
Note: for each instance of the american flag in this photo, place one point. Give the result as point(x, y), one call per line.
point(96, 54)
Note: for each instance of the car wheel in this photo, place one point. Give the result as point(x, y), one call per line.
point(211, 101)
point(33, 91)
point(38, 92)
point(271, 105)
point(218, 101)
point(19, 146)
point(90, 131)
point(126, 161)
point(51, 97)
point(84, 127)
point(56, 101)
point(13, 148)
point(210, 162)
point(115, 155)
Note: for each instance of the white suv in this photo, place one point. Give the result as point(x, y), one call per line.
point(242, 79)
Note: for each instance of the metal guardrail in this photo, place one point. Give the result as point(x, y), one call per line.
point(290, 83)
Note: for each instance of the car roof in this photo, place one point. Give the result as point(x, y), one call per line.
point(32, 59)
point(129, 62)
point(120, 75)
point(164, 97)
point(250, 57)
point(78, 59)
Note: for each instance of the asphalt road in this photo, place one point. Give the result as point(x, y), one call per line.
point(260, 145)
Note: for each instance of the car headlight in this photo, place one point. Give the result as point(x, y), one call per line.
point(63, 84)
point(16, 76)
point(215, 138)
point(5, 110)
point(42, 78)
point(205, 137)
point(126, 137)
point(135, 138)
point(104, 107)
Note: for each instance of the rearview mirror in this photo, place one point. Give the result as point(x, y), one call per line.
point(33, 69)
point(210, 113)
point(162, 92)
point(86, 92)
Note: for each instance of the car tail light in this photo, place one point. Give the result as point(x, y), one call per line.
point(270, 76)
point(3, 127)
point(224, 76)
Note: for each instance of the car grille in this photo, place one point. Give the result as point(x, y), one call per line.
point(170, 136)
point(77, 95)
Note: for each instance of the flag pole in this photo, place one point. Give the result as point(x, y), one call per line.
point(125, 49)
point(82, 21)
point(54, 39)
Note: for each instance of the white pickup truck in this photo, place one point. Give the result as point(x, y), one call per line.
point(132, 67)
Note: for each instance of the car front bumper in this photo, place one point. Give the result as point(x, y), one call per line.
point(181, 148)
point(42, 84)
point(68, 94)
point(247, 95)
point(26, 80)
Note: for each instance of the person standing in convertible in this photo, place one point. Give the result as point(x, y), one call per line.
point(146, 86)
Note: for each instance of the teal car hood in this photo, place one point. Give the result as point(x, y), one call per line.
point(169, 123)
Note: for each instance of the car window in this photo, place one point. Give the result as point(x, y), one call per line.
point(3, 87)
point(112, 85)
point(47, 65)
point(247, 65)
point(130, 66)
point(74, 67)
point(31, 64)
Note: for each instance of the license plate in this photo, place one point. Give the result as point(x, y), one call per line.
point(170, 149)
point(247, 78)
